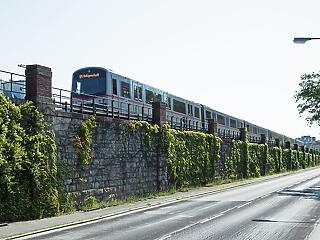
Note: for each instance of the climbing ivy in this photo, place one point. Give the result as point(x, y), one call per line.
point(83, 141)
point(191, 156)
point(28, 186)
point(147, 130)
point(254, 160)
point(276, 162)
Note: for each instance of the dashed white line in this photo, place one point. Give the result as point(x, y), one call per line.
point(165, 237)
point(245, 204)
point(209, 219)
point(266, 195)
point(225, 211)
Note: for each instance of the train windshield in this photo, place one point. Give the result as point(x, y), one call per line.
point(91, 81)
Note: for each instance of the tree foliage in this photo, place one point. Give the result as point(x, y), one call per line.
point(308, 97)
point(28, 186)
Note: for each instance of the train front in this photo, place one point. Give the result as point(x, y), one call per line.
point(88, 83)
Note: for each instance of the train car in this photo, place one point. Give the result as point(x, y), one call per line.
point(123, 95)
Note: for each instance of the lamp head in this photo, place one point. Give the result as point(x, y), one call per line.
point(301, 40)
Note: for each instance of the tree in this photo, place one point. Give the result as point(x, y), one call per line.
point(308, 97)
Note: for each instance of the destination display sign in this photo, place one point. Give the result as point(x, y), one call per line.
point(89, 75)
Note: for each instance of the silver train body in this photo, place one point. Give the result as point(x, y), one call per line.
point(181, 113)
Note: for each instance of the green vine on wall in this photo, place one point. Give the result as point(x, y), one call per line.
point(83, 141)
point(147, 130)
point(191, 156)
point(254, 160)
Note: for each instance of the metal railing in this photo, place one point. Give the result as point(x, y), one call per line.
point(12, 84)
point(103, 106)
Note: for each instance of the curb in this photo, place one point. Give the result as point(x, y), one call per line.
point(150, 206)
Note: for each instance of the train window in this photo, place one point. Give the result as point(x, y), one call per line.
point(208, 115)
point(233, 123)
point(221, 119)
point(78, 87)
point(149, 96)
point(125, 90)
point(169, 103)
point(190, 112)
point(157, 97)
point(137, 92)
point(179, 106)
point(214, 116)
point(114, 86)
point(196, 112)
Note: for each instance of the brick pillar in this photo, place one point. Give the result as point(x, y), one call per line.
point(159, 114)
point(212, 126)
point(243, 134)
point(263, 139)
point(288, 145)
point(277, 140)
point(39, 86)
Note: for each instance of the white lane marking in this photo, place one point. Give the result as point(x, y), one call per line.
point(165, 237)
point(244, 204)
point(212, 218)
point(225, 211)
point(263, 196)
point(179, 230)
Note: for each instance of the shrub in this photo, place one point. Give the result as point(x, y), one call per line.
point(28, 186)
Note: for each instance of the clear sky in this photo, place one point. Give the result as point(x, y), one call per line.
point(234, 56)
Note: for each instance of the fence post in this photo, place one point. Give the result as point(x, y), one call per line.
point(39, 87)
point(112, 106)
point(142, 113)
point(71, 102)
point(128, 111)
point(93, 106)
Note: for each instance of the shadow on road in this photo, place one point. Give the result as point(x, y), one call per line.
point(310, 193)
point(282, 221)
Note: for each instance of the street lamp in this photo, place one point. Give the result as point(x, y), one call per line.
point(303, 40)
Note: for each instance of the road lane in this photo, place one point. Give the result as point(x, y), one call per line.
point(281, 208)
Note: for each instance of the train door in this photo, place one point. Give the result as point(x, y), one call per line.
point(137, 96)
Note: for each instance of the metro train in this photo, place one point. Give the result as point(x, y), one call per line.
point(109, 86)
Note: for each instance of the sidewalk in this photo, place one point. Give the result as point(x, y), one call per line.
point(19, 229)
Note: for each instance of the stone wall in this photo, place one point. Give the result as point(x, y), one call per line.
point(122, 166)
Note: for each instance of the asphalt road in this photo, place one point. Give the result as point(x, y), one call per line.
point(281, 208)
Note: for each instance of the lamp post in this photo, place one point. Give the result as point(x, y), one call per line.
point(303, 40)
